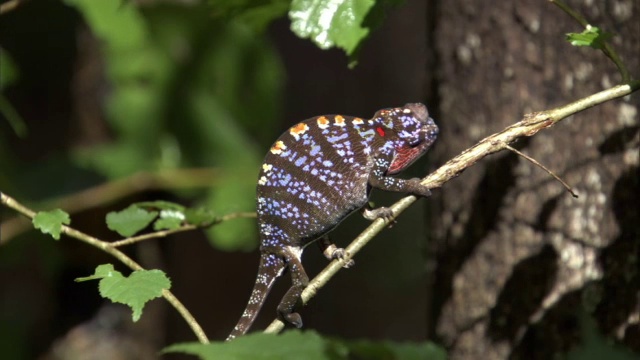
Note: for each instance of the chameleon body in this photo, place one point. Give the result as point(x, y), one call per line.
point(315, 175)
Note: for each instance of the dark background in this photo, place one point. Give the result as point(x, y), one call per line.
point(500, 263)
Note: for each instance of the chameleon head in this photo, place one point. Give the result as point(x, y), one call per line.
point(416, 132)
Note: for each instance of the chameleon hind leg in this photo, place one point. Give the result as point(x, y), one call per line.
point(332, 252)
point(385, 213)
point(291, 300)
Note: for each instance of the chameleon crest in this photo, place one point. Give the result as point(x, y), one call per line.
point(315, 175)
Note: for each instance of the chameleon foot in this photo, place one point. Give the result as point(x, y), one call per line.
point(339, 254)
point(293, 319)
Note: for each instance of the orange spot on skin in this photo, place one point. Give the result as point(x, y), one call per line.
point(357, 121)
point(278, 147)
point(323, 122)
point(339, 120)
point(298, 130)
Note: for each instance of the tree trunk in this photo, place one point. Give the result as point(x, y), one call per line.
point(521, 268)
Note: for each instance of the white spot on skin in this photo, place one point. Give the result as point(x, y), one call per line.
point(263, 180)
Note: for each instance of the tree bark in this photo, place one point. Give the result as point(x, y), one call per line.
point(520, 266)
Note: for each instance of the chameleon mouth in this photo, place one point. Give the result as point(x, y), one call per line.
point(405, 156)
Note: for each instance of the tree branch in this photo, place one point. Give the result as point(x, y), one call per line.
point(111, 191)
point(528, 126)
point(188, 227)
point(108, 248)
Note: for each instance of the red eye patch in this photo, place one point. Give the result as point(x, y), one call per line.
point(380, 131)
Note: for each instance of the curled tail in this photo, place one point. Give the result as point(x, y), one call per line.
point(271, 267)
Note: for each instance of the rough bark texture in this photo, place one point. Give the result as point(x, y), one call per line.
point(518, 261)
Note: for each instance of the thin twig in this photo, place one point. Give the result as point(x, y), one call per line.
point(188, 227)
point(528, 126)
point(535, 162)
point(111, 191)
point(153, 235)
point(105, 246)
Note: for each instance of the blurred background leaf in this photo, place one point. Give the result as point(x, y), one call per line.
point(186, 92)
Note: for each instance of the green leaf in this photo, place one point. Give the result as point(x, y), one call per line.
point(296, 344)
point(118, 23)
point(169, 219)
point(50, 222)
point(200, 216)
point(330, 23)
point(130, 220)
point(133, 291)
point(290, 345)
point(592, 36)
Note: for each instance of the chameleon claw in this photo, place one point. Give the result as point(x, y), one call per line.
point(339, 254)
point(416, 188)
point(294, 319)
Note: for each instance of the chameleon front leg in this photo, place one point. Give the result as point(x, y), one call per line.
point(379, 179)
point(291, 300)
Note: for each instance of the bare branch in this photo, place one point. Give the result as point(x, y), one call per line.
point(106, 247)
point(528, 126)
point(111, 191)
point(188, 227)
point(535, 162)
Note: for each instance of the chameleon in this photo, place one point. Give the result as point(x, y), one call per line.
point(316, 174)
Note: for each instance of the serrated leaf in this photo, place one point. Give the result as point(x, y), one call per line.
point(50, 222)
point(289, 345)
point(592, 36)
point(130, 220)
point(199, 216)
point(102, 271)
point(169, 220)
point(134, 291)
point(330, 23)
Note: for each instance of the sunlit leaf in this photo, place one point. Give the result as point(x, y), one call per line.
point(592, 36)
point(50, 222)
point(330, 23)
point(169, 220)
